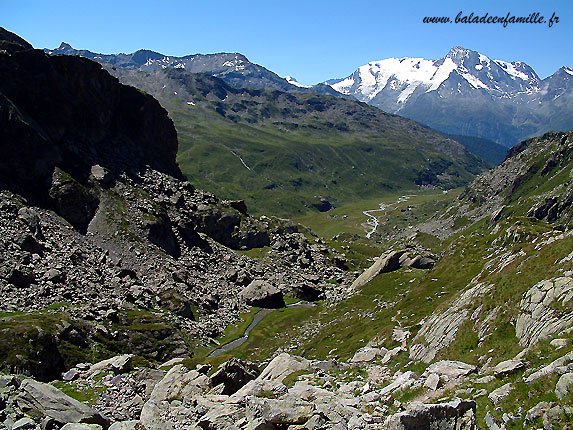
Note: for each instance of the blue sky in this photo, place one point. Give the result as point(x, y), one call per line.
point(312, 40)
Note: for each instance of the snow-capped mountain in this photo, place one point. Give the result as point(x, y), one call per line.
point(465, 93)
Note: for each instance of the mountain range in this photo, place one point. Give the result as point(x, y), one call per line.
point(467, 93)
point(243, 136)
point(233, 68)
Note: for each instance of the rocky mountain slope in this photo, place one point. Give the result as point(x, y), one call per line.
point(233, 68)
point(467, 93)
point(105, 246)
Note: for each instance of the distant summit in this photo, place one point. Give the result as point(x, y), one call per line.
point(466, 93)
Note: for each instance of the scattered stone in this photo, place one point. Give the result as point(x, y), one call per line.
point(559, 343)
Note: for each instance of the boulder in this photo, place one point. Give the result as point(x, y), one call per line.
point(283, 365)
point(118, 364)
point(46, 400)
point(451, 369)
point(455, 415)
point(403, 381)
point(262, 294)
point(280, 412)
point(500, 393)
point(81, 427)
point(564, 386)
point(366, 353)
point(386, 263)
point(234, 374)
point(432, 381)
point(507, 367)
point(126, 425)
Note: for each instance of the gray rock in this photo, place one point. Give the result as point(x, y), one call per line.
point(538, 319)
point(26, 423)
point(118, 364)
point(46, 400)
point(537, 411)
point(500, 393)
point(564, 385)
point(550, 368)
point(365, 354)
point(507, 367)
point(81, 427)
point(127, 425)
point(403, 381)
point(455, 415)
point(386, 263)
point(234, 374)
point(283, 365)
point(490, 422)
point(261, 293)
point(432, 381)
point(287, 411)
point(451, 369)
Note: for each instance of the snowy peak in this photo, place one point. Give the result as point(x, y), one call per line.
point(404, 77)
point(296, 83)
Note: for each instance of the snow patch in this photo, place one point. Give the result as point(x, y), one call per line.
point(296, 83)
point(568, 70)
point(510, 69)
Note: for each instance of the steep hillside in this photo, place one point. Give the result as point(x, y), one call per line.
point(467, 93)
point(285, 153)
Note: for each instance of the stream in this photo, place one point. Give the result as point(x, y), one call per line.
point(373, 221)
point(257, 319)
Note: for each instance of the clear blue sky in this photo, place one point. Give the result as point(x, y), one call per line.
point(312, 40)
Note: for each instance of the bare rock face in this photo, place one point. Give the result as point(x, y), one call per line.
point(262, 294)
point(539, 314)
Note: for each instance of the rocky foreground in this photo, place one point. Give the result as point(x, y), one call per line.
point(290, 392)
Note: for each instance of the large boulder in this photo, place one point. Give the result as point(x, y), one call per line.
point(37, 398)
point(283, 365)
point(455, 415)
point(386, 263)
point(261, 293)
point(451, 369)
point(234, 374)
